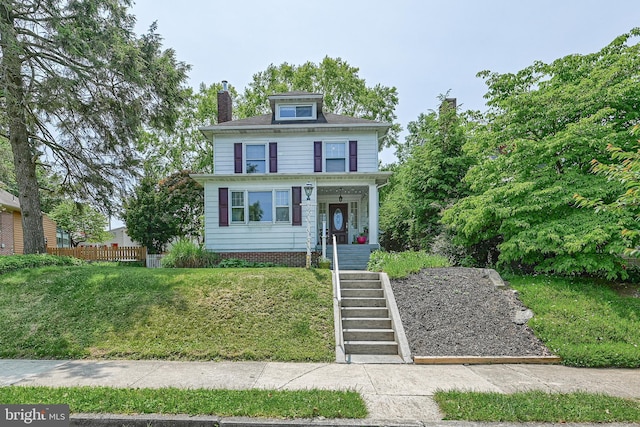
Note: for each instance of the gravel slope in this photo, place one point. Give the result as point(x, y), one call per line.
point(458, 312)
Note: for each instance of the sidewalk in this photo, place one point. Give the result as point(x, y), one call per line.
point(401, 393)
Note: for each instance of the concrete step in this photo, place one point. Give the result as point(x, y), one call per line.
point(364, 302)
point(369, 335)
point(362, 293)
point(371, 347)
point(360, 284)
point(358, 275)
point(366, 323)
point(378, 312)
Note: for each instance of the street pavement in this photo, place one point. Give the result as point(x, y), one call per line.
point(395, 394)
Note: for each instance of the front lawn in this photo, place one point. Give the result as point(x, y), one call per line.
point(226, 403)
point(279, 314)
point(584, 321)
point(537, 406)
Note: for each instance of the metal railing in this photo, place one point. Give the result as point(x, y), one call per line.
point(337, 294)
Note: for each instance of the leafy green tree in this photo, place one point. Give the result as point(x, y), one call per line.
point(82, 222)
point(77, 86)
point(545, 125)
point(428, 179)
point(146, 219)
point(344, 92)
point(183, 198)
point(184, 147)
point(627, 172)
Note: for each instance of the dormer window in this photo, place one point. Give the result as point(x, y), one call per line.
point(296, 112)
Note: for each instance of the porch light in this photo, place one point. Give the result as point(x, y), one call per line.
point(308, 190)
point(340, 198)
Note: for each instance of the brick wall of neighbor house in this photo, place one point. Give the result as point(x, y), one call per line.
point(6, 233)
point(288, 259)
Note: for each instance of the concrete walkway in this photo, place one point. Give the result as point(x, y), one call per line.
point(401, 393)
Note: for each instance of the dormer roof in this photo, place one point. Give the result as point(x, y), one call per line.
point(272, 123)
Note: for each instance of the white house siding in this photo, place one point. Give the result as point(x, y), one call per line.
point(256, 237)
point(295, 150)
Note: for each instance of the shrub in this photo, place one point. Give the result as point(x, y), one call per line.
point(240, 263)
point(186, 254)
point(401, 264)
point(17, 262)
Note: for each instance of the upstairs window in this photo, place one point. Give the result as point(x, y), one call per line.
point(335, 157)
point(296, 112)
point(256, 159)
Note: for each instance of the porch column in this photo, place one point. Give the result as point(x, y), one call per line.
point(373, 214)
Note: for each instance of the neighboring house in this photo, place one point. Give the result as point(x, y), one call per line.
point(11, 235)
point(120, 238)
point(255, 203)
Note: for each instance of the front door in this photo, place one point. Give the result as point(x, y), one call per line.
point(338, 214)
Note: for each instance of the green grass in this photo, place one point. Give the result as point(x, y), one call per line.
point(401, 264)
point(537, 406)
point(16, 262)
point(279, 314)
point(249, 403)
point(584, 321)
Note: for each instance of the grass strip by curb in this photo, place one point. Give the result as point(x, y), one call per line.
point(231, 403)
point(537, 406)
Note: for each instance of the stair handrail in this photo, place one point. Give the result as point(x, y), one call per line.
point(337, 293)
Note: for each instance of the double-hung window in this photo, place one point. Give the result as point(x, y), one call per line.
point(282, 206)
point(237, 206)
point(255, 158)
point(260, 206)
point(335, 157)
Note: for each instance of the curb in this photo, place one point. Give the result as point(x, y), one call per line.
point(485, 360)
point(157, 420)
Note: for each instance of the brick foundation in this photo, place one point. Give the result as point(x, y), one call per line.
point(289, 259)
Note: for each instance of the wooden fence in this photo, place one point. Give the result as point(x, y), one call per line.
point(103, 253)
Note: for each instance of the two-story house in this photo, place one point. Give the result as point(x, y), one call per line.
point(256, 206)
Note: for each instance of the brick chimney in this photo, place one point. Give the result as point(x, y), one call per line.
point(224, 104)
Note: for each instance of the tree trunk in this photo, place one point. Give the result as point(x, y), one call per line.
point(23, 153)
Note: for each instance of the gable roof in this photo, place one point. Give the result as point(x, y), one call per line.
point(9, 201)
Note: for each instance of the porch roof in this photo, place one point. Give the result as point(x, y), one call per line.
point(337, 178)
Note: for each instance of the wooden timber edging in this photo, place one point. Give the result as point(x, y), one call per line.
point(484, 360)
point(102, 253)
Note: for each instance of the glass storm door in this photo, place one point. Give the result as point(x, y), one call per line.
point(338, 214)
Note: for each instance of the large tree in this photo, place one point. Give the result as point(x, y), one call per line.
point(184, 147)
point(627, 172)
point(345, 92)
point(545, 125)
point(427, 180)
point(77, 86)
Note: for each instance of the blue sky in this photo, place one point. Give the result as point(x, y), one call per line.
point(423, 48)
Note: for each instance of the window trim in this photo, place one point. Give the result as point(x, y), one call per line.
point(345, 157)
point(313, 116)
point(265, 158)
point(274, 206)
